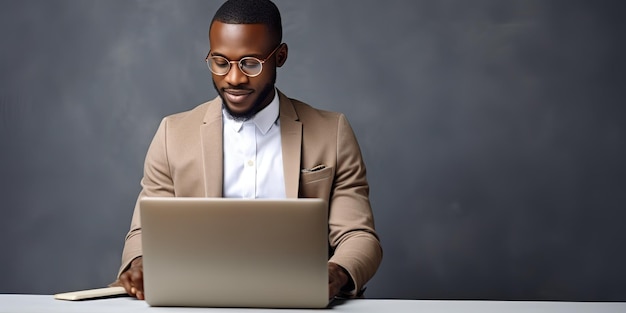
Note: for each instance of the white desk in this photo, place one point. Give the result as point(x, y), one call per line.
point(44, 303)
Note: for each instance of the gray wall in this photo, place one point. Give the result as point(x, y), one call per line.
point(494, 134)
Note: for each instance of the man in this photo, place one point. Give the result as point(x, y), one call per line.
point(254, 142)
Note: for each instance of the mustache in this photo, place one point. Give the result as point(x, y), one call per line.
point(236, 88)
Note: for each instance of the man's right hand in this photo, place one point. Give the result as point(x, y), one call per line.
point(132, 279)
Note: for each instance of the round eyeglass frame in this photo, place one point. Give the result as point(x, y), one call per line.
point(239, 63)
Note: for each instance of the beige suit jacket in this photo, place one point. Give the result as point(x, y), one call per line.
point(185, 160)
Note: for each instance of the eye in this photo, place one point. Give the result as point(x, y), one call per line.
point(219, 61)
point(250, 63)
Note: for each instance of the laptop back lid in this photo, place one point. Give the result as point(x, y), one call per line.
point(219, 252)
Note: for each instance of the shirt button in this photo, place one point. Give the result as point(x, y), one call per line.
point(250, 163)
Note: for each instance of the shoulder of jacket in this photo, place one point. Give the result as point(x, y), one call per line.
point(190, 116)
point(305, 110)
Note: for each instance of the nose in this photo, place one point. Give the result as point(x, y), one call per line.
point(235, 76)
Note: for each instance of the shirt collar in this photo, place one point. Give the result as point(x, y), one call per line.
point(263, 119)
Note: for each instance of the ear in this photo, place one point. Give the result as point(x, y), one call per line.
point(281, 54)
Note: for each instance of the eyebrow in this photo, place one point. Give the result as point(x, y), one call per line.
point(258, 56)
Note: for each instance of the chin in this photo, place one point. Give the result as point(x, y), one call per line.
point(239, 115)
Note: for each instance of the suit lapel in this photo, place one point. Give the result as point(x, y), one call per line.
point(291, 141)
point(212, 149)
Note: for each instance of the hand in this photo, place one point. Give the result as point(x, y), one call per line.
point(337, 279)
point(132, 279)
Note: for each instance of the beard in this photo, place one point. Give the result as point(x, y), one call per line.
point(258, 104)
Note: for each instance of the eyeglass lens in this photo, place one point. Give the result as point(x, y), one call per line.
point(221, 66)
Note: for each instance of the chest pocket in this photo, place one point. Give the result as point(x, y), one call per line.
point(317, 184)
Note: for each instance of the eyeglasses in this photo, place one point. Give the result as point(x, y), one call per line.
point(250, 66)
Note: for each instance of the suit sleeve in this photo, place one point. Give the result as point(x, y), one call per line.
point(156, 182)
point(351, 224)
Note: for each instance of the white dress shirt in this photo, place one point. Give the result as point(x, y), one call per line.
point(253, 159)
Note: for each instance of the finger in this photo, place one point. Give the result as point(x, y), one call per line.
point(137, 279)
point(126, 283)
point(333, 290)
point(137, 282)
point(333, 286)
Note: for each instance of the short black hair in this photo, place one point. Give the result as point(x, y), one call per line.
point(251, 12)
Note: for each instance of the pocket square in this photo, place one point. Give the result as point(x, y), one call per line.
point(315, 168)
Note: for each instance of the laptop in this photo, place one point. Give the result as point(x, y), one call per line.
point(222, 252)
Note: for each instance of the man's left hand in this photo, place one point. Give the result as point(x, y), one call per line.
point(337, 279)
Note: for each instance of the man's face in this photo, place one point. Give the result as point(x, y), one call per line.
point(244, 96)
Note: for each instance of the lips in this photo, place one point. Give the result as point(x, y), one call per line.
point(237, 96)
